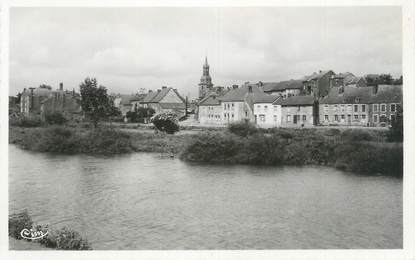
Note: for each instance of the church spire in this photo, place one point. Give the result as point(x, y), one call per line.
point(205, 81)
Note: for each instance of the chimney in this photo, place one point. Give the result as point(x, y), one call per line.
point(234, 86)
point(61, 86)
point(319, 71)
point(375, 89)
point(250, 89)
point(158, 90)
point(149, 91)
point(164, 87)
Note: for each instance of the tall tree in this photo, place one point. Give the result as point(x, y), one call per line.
point(95, 102)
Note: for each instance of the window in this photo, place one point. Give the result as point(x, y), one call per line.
point(335, 108)
point(261, 118)
point(336, 118)
point(392, 118)
point(304, 118)
point(363, 117)
point(356, 117)
point(393, 107)
point(232, 115)
point(259, 106)
point(246, 113)
point(383, 108)
point(375, 107)
point(375, 118)
point(275, 108)
point(265, 108)
point(342, 108)
point(343, 117)
point(356, 108)
point(275, 118)
point(288, 118)
point(383, 118)
point(326, 108)
point(363, 108)
point(349, 108)
point(233, 105)
point(298, 108)
point(326, 117)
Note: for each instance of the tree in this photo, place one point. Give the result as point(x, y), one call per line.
point(166, 123)
point(395, 133)
point(95, 102)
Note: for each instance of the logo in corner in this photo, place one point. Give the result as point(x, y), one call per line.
point(32, 234)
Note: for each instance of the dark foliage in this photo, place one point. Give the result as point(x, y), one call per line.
point(55, 118)
point(25, 121)
point(18, 222)
point(395, 133)
point(243, 128)
point(167, 123)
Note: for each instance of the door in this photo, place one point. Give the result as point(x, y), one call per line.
point(295, 119)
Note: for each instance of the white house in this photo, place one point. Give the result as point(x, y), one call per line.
point(210, 111)
point(267, 112)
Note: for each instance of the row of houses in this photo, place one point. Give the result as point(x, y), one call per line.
point(164, 100)
point(322, 98)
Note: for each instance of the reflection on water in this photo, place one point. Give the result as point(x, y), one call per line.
point(141, 201)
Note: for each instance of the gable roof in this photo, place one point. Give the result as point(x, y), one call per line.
point(296, 101)
point(211, 100)
point(265, 98)
point(149, 96)
point(317, 76)
point(282, 85)
point(388, 94)
point(238, 94)
point(160, 94)
point(351, 95)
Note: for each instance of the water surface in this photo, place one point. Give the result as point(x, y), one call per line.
point(143, 201)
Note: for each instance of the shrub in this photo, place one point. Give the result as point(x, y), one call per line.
point(357, 135)
point(243, 128)
point(395, 133)
point(166, 123)
point(55, 118)
point(65, 239)
point(26, 121)
point(106, 141)
point(18, 222)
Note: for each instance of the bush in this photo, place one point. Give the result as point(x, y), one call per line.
point(18, 222)
point(243, 128)
point(55, 118)
point(166, 123)
point(64, 238)
point(60, 139)
point(395, 133)
point(358, 135)
point(26, 121)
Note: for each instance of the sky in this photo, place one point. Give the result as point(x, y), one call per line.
point(128, 49)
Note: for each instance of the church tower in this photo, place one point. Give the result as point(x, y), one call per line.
point(205, 81)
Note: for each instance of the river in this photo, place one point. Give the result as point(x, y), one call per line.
point(143, 201)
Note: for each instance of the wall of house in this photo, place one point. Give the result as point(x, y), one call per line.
point(235, 112)
point(323, 84)
point(344, 114)
point(304, 115)
point(286, 92)
point(31, 104)
point(267, 115)
point(210, 115)
point(381, 114)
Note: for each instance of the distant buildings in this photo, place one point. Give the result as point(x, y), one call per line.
point(323, 98)
point(44, 100)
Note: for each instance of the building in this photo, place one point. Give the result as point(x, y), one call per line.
point(267, 113)
point(210, 111)
point(318, 84)
point(43, 100)
point(165, 100)
point(205, 84)
point(297, 111)
point(283, 88)
point(345, 105)
point(384, 104)
point(238, 103)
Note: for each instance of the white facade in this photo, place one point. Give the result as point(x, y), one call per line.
point(267, 115)
point(210, 115)
point(235, 112)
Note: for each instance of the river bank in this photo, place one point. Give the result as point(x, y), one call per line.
point(357, 150)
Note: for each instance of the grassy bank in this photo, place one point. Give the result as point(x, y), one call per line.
point(106, 140)
point(359, 151)
point(63, 239)
point(356, 150)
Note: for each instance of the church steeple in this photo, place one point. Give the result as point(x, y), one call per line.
point(205, 81)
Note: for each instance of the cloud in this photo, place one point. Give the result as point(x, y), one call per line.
point(132, 48)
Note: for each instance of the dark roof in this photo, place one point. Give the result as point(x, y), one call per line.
point(172, 105)
point(239, 93)
point(149, 96)
point(160, 95)
point(351, 95)
point(388, 94)
point(282, 85)
point(211, 100)
point(126, 99)
point(265, 98)
point(296, 101)
point(316, 76)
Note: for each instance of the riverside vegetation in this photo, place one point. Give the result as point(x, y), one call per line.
point(63, 239)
